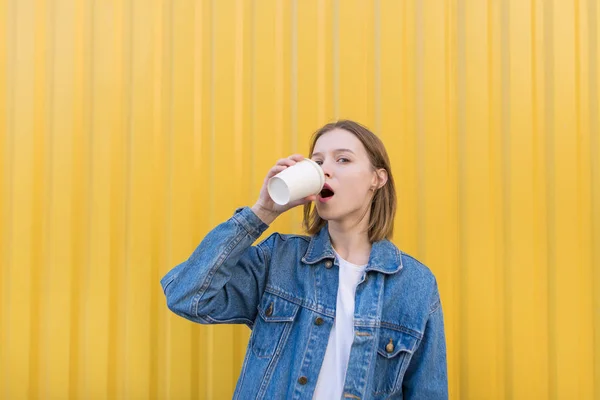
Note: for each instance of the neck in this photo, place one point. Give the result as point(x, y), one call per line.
point(351, 240)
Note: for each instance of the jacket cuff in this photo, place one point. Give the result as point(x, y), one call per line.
point(250, 221)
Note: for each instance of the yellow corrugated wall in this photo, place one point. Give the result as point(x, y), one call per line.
point(129, 128)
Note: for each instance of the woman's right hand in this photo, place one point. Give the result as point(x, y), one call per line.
point(265, 208)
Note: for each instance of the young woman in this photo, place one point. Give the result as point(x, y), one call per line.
point(338, 314)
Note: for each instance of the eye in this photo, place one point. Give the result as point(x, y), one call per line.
point(343, 160)
point(319, 162)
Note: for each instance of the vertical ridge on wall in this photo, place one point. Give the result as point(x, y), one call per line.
point(182, 142)
point(82, 155)
point(263, 92)
point(209, 338)
point(6, 138)
point(220, 344)
point(254, 179)
point(449, 285)
point(294, 78)
point(282, 93)
point(126, 291)
point(19, 296)
point(295, 147)
point(242, 123)
point(566, 197)
point(593, 70)
point(326, 86)
point(584, 206)
point(406, 122)
point(498, 126)
point(478, 230)
point(175, 382)
point(377, 66)
point(335, 36)
point(354, 39)
point(200, 123)
point(138, 277)
point(88, 109)
point(117, 45)
point(548, 16)
point(41, 171)
point(419, 132)
point(180, 139)
point(238, 332)
point(540, 98)
point(5, 22)
point(205, 133)
point(159, 387)
point(461, 312)
point(95, 304)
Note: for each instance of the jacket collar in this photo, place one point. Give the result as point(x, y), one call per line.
point(385, 256)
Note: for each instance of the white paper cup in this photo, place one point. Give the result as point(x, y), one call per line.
point(302, 179)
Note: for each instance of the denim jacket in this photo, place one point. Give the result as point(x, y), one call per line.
point(285, 290)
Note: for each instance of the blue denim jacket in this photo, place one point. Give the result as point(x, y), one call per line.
point(285, 290)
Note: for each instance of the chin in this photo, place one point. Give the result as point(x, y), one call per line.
point(325, 215)
point(328, 215)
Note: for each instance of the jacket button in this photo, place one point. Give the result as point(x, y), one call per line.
point(390, 347)
point(269, 311)
point(319, 321)
point(303, 380)
point(328, 264)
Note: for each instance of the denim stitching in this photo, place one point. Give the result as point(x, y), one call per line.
point(401, 328)
point(302, 303)
point(245, 321)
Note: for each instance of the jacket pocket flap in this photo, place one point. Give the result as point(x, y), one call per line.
point(273, 308)
point(393, 342)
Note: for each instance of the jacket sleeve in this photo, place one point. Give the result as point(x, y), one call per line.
point(224, 278)
point(426, 376)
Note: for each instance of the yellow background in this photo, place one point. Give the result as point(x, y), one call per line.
point(129, 128)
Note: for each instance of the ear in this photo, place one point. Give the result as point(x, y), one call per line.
point(380, 178)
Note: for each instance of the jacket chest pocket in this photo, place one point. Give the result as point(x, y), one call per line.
point(272, 325)
point(394, 351)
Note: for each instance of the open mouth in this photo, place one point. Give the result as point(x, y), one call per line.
point(326, 192)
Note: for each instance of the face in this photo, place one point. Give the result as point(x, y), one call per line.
point(349, 176)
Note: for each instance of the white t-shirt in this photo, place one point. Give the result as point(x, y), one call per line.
point(333, 371)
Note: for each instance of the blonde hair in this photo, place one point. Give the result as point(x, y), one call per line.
point(383, 203)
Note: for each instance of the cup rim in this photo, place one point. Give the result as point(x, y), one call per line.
point(270, 183)
point(319, 170)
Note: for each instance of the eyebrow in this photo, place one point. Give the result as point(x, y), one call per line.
point(335, 151)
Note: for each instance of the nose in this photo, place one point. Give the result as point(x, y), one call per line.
point(326, 169)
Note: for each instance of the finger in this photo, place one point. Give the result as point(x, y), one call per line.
point(275, 170)
point(296, 157)
point(288, 162)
